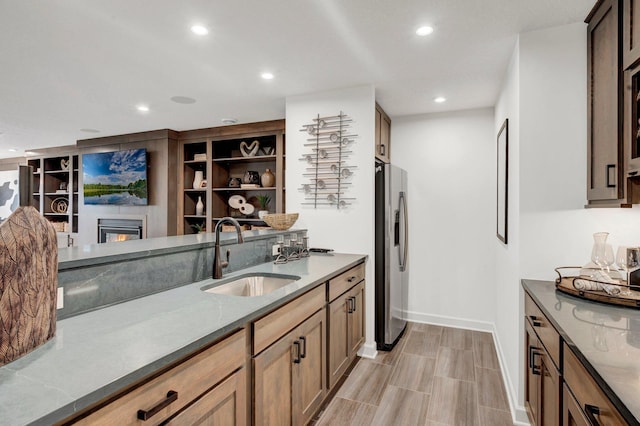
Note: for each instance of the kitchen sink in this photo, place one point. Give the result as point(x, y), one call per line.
point(251, 285)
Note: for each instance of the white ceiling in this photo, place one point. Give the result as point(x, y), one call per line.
point(67, 65)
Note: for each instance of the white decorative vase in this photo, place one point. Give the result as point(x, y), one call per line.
point(197, 179)
point(262, 213)
point(199, 207)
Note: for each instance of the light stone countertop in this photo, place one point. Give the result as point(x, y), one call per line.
point(98, 353)
point(605, 337)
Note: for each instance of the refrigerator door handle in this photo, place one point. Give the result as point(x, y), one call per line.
point(404, 247)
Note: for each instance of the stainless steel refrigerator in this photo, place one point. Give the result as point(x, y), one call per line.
point(391, 268)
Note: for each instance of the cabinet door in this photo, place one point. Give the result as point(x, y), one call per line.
point(604, 174)
point(571, 413)
point(383, 135)
point(385, 138)
point(532, 383)
point(549, 392)
point(224, 405)
point(339, 353)
point(273, 380)
point(309, 384)
point(356, 320)
point(630, 32)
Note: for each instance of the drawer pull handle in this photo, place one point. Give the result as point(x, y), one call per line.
point(531, 349)
point(353, 300)
point(352, 279)
point(303, 354)
point(296, 359)
point(536, 370)
point(147, 414)
point(535, 321)
point(349, 310)
point(592, 411)
point(609, 168)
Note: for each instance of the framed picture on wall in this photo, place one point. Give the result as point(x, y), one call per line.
point(502, 184)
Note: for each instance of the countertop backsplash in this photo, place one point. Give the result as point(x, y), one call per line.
point(153, 266)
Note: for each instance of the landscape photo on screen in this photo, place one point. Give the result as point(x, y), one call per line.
point(118, 177)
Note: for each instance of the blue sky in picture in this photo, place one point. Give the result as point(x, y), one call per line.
point(115, 168)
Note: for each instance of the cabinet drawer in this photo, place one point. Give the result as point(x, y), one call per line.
point(226, 404)
point(345, 281)
point(543, 328)
point(587, 392)
point(275, 325)
point(189, 379)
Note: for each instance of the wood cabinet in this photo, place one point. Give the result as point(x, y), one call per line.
point(289, 376)
point(346, 323)
point(224, 405)
point(605, 169)
point(55, 193)
point(199, 380)
point(383, 135)
point(542, 382)
point(217, 154)
point(591, 400)
point(551, 398)
point(630, 32)
point(542, 377)
point(632, 134)
point(572, 415)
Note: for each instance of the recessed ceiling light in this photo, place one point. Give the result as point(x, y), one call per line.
point(199, 30)
point(229, 120)
point(87, 130)
point(267, 75)
point(183, 100)
point(439, 99)
point(30, 153)
point(425, 30)
point(142, 108)
point(13, 150)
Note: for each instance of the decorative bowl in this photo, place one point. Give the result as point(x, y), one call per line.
point(280, 221)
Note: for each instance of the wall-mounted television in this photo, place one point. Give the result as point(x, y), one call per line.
point(118, 177)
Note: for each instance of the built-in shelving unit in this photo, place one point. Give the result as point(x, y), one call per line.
point(220, 158)
point(55, 190)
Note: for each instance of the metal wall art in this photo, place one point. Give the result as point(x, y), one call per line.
point(328, 173)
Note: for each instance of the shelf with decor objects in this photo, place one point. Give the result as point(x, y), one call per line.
point(55, 192)
point(236, 159)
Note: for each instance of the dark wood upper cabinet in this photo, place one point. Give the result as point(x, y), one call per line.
point(383, 135)
point(630, 32)
point(605, 170)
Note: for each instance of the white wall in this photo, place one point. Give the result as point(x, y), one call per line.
point(349, 230)
point(508, 321)
point(450, 160)
point(556, 228)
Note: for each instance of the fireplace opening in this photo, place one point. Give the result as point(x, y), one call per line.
point(114, 230)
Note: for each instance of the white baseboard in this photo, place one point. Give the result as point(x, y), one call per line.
point(368, 350)
point(450, 321)
point(518, 412)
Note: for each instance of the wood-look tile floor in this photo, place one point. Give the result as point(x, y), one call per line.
point(434, 376)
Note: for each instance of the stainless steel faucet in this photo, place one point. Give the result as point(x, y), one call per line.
point(218, 264)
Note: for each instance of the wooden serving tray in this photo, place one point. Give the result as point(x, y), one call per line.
point(565, 285)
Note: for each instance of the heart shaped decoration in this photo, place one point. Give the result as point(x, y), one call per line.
point(249, 150)
point(64, 164)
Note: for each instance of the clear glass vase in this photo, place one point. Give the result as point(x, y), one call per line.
point(601, 253)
